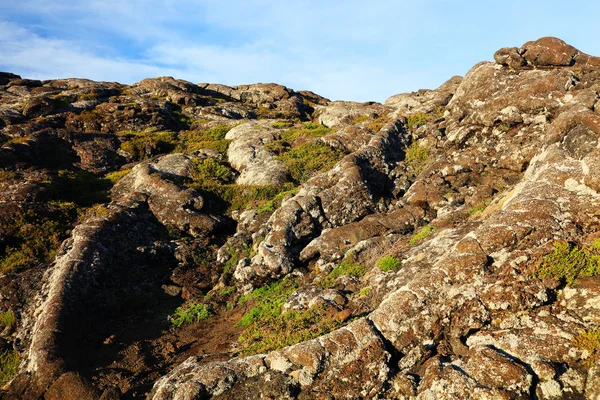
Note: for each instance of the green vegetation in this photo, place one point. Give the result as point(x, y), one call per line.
point(31, 238)
point(389, 263)
point(309, 158)
point(89, 96)
point(235, 255)
point(268, 301)
point(422, 234)
point(308, 130)
point(568, 262)
point(282, 124)
point(9, 361)
point(212, 139)
point(479, 207)
point(116, 176)
point(277, 331)
point(364, 292)
point(267, 328)
point(190, 313)
point(360, 119)
point(142, 145)
point(272, 205)
point(416, 158)
point(80, 187)
point(348, 267)
point(504, 127)
point(417, 119)
point(226, 291)
point(589, 341)
point(7, 319)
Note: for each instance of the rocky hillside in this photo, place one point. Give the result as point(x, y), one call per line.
point(176, 241)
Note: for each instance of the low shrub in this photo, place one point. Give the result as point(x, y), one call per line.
point(281, 330)
point(308, 159)
point(389, 263)
point(568, 262)
point(348, 267)
point(422, 234)
point(589, 341)
point(190, 313)
point(7, 319)
point(116, 176)
point(9, 362)
point(417, 119)
point(416, 158)
point(145, 144)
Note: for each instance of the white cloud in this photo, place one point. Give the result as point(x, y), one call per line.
point(344, 50)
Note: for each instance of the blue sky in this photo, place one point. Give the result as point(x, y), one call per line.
point(350, 50)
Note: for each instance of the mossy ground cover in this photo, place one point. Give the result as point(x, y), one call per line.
point(569, 262)
point(268, 328)
point(589, 340)
point(389, 263)
point(348, 267)
point(190, 313)
point(416, 158)
point(9, 361)
point(421, 234)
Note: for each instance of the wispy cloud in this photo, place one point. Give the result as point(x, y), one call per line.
point(354, 50)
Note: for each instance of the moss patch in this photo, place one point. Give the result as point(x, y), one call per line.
point(416, 158)
point(267, 328)
point(568, 262)
point(389, 263)
point(417, 119)
point(348, 267)
point(308, 159)
point(9, 362)
point(190, 313)
point(7, 319)
point(589, 341)
point(422, 234)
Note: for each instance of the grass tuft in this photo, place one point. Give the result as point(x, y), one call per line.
point(389, 263)
point(568, 262)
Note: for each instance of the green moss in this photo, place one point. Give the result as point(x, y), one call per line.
point(389, 263)
point(190, 313)
point(308, 159)
point(89, 96)
point(568, 263)
point(272, 205)
point(7, 319)
point(589, 341)
point(308, 130)
point(417, 119)
point(479, 207)
point(32, 238)
point(360, 119)
point(212, 139)
point(267, 328)
point(364, 291)
point(282, 124)
point(348, 267)
point(80, 187)
point(422, 234)
point(142, 145)
point(281, 330)
point(9, 362)
point(268, 301)
point(116, 176)
point(235, 255)
point(416, 158)
point(226, 291)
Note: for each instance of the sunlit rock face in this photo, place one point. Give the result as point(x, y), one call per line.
point(170, 240)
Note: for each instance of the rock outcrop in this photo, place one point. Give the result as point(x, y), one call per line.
point(258, 242)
